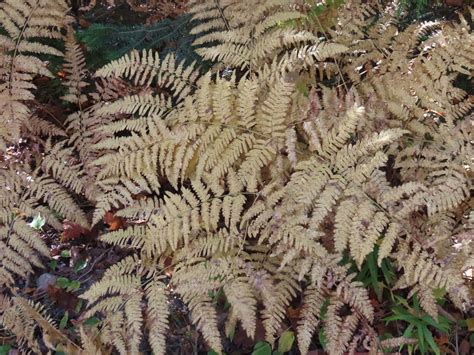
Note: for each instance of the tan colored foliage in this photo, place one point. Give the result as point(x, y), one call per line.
point(256, 178)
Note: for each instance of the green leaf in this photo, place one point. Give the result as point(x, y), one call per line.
point(5, 349)
point(421, 339)
point(38, 222)
point(79, 304)
point(53, 264)
point(416, 303)
point(387, 271)
point(402, 301)
point(74, 285)
point(286, 341)
point(66, 253)
point(409, 331)
point(441, 325)
point(406, 317)
point(64, 319)
point(212, 352)
point(373, 269)
point(62, 282)
point(81, 265)
point(262, 348)
point(429, 339)
point(92, 321)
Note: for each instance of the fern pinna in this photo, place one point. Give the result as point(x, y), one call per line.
point(269, 180)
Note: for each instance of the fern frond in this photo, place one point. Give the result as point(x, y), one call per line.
point(204, 316)
point(75, 71)
point(158, 313)
point(313, 300)
point(146, 68)
point(24, 23)
point(244, 304)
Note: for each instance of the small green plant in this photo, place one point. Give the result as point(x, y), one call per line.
point(374, 277)
point(419, 325)
point(38, 222)
point(68, 285)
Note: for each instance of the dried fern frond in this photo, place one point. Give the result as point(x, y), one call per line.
point(258, 188)
point(24, 24)
point(23, 198)
point(120, 294)
point(223, 36)
point(24, 319)
point(147, 68)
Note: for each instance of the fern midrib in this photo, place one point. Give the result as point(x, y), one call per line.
point(221, 13)
point(17, 44)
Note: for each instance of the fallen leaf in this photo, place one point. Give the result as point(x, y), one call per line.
point(293, 312)
point(442, 339)
point(83, 22)
point(65, 300)
point(72, 231)
point(113, 221)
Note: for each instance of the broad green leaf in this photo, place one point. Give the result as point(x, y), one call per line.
point(262, 348)
point(286, 341)
point(90, 322)
point(62, 282)
point(74, 285)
